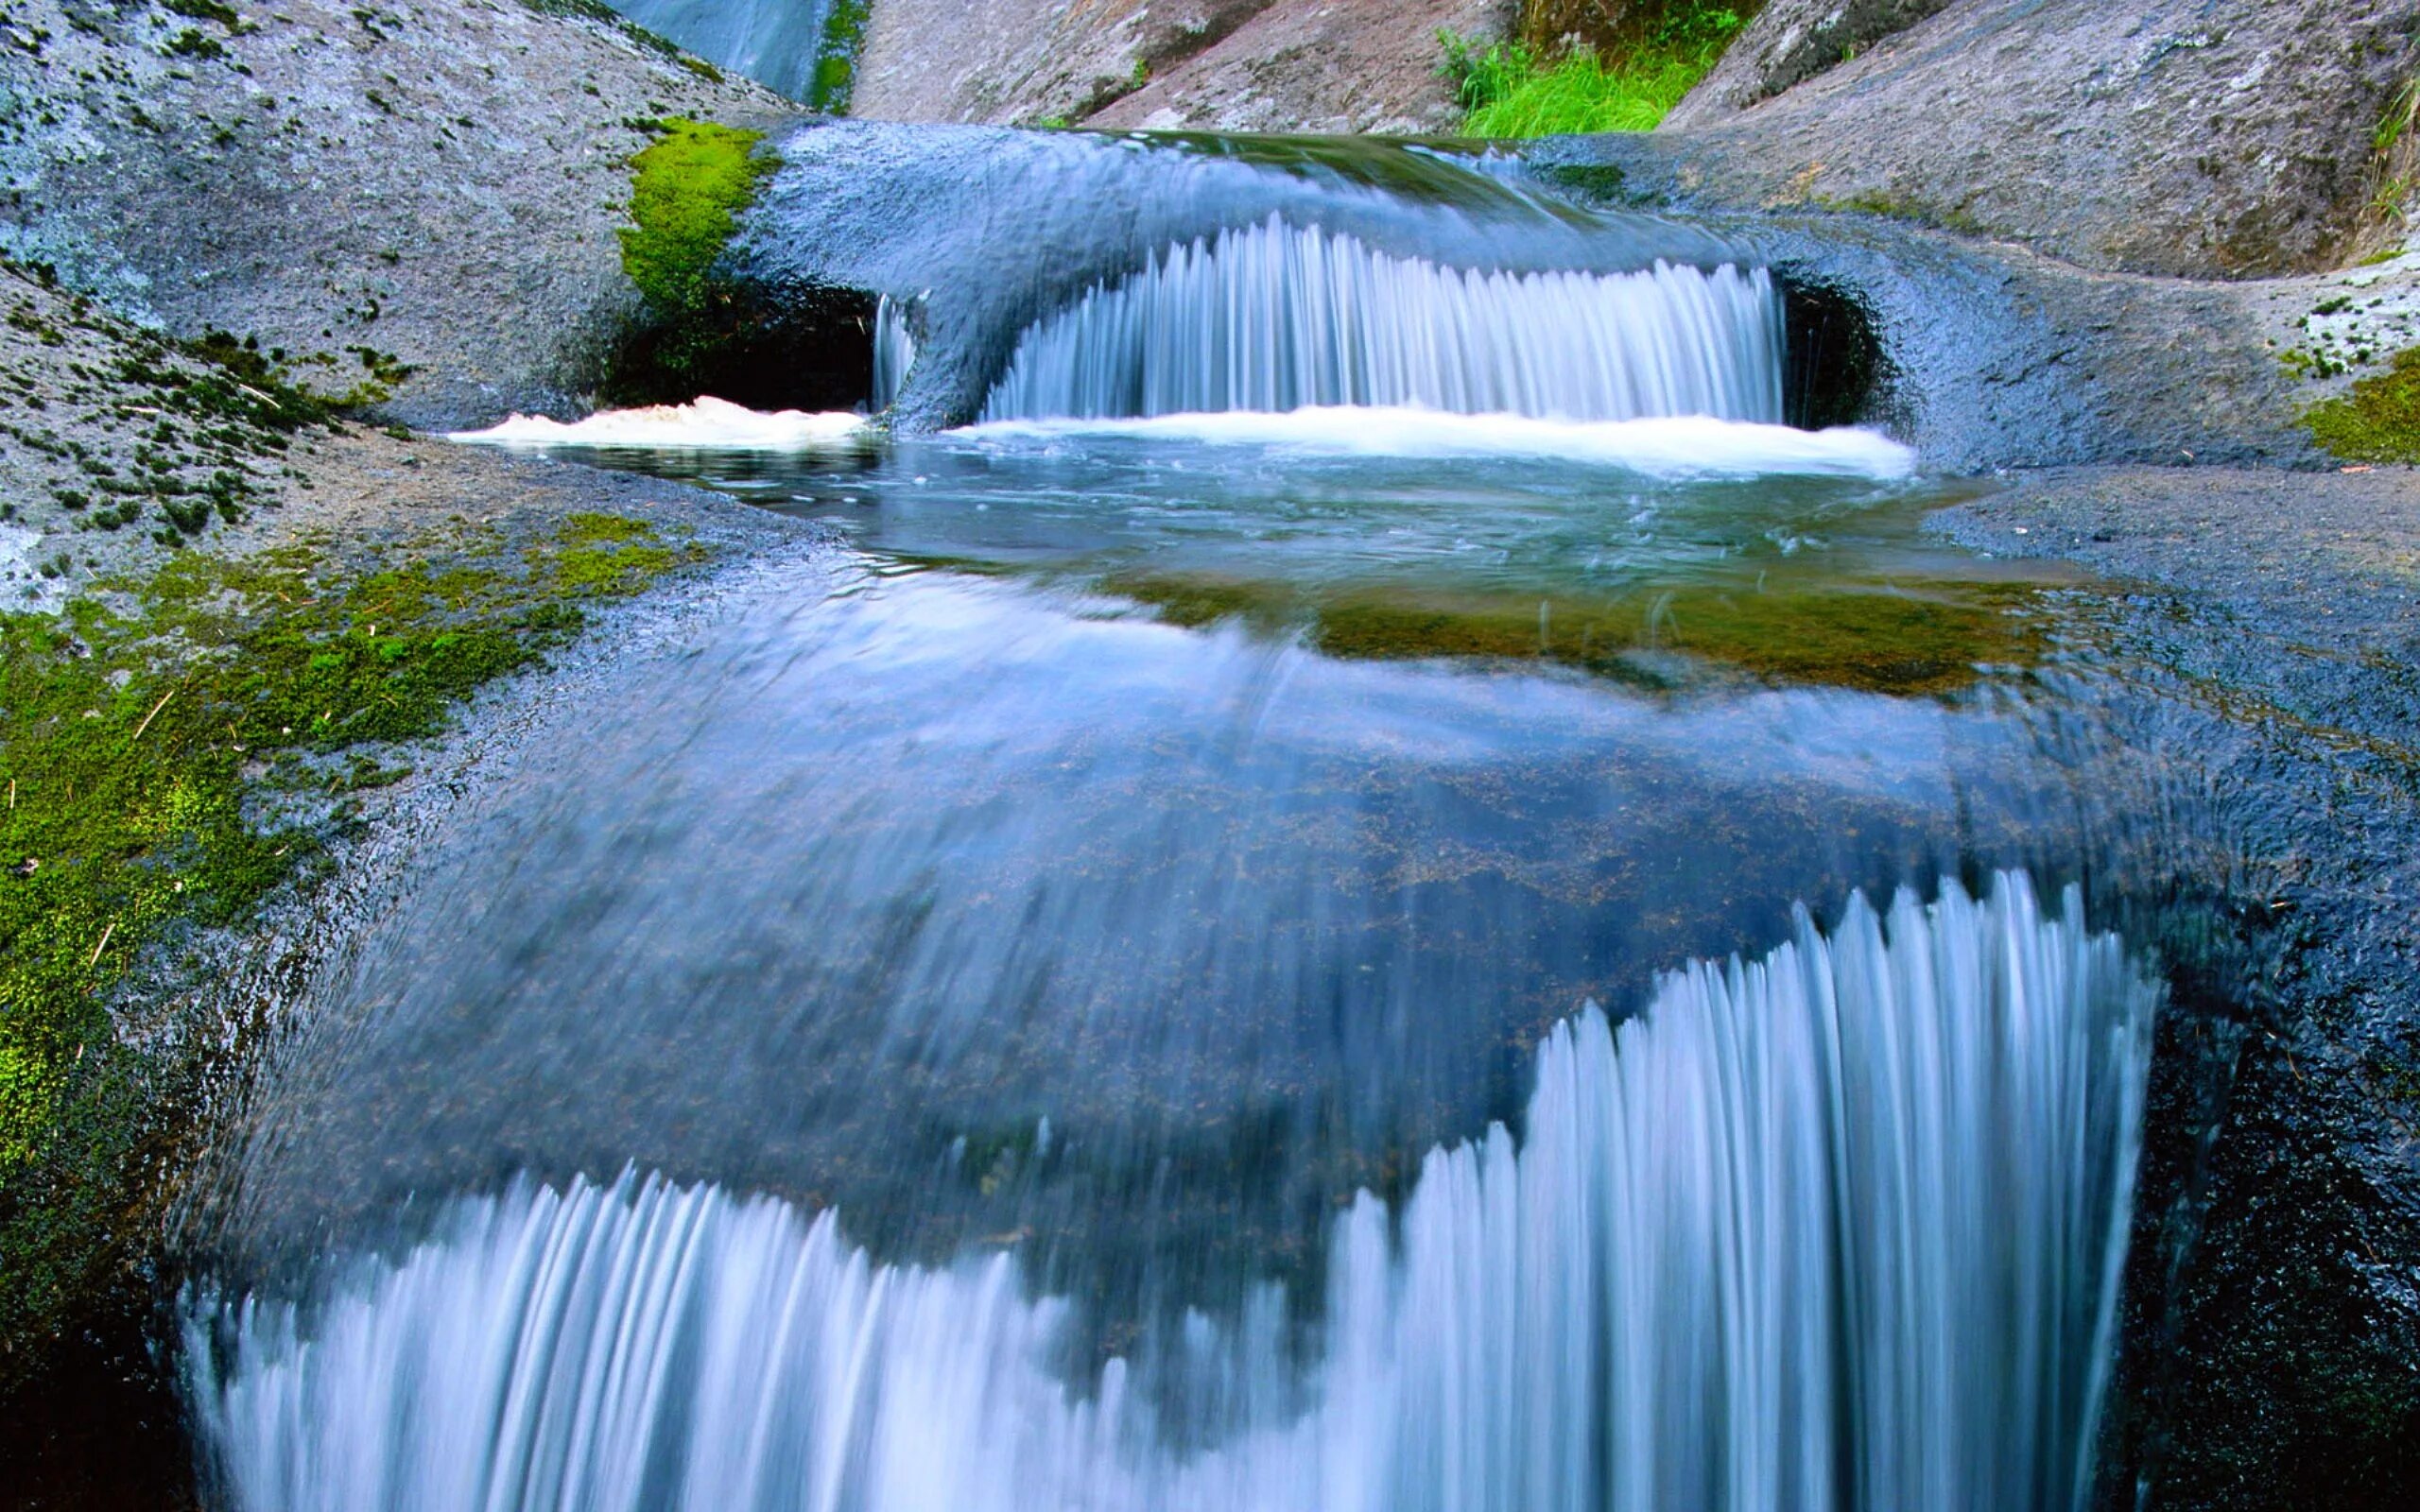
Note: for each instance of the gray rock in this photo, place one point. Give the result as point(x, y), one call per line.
point(1253, 65)
point(2189, 138)
point(440, 182)
point(1790, 43)
point(1023, 62)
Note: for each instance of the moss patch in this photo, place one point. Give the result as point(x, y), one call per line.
point(709, 327)
point(689, 188)
point(2377, 419)
point(1921, 638)
point(173, 751)
point(836, 61)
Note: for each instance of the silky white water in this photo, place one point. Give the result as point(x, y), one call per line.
point(1838, 1228)
point(894, 353)
point(1277, 317)
point(1680, 447)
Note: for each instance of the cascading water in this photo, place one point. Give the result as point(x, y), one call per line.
point(1839, 1228)
point(777, 42)
point(1279, 318)
point(894, 353)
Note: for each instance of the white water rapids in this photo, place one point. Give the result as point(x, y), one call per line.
point(1838, 1228)
point(1278, 318)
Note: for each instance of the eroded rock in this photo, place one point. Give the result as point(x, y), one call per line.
point(1237, 65)
point(2172, 137)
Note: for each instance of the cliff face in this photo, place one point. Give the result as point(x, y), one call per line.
point(2175, 137)
point(439, 183)
point(1258, 66)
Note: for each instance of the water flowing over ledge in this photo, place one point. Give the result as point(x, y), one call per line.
point(1676, 447)
point(1278, 318)
point(706, 425)
point(1839, 1227)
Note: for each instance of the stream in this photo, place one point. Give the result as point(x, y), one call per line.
point(1369, 886)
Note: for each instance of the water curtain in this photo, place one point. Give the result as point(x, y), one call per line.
point(1279, 318)
point(1838, 1228)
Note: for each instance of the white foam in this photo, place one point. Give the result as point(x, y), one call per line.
point(1680, 446)
point(706, 425)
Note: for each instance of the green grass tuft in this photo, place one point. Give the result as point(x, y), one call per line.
point(1512, 91)
point(2377, 419)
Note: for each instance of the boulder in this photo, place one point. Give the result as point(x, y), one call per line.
point(1306, 66)
point(438, 184)
point(1790, 43)
point(1245, 65)
point(2179, 137)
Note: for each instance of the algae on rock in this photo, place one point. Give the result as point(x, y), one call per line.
point(177, 747)
point(2377, 419)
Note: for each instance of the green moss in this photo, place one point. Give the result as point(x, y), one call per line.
point(701, 323)
point(156, 744)
point(689, 188)
point(1511, 90)
point(1904, 639)
point(603, 554)
point(192, 44)
point(1902, 207)
point(206, 10)
point(2377, 419)
point(835, 60)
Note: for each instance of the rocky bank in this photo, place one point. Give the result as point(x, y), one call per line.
point(430, 188)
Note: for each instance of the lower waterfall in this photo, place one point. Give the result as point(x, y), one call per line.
point(1838, 1228)
point(1277, 317)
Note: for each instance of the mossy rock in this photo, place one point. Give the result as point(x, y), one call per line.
point(708, 326)
point(690, 186)
point(2377, 419)
point(173, 752)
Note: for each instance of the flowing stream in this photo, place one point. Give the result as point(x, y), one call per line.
point(1380, 891)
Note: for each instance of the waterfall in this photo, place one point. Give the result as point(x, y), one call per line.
point(1838, 1228)
point(894, 353)
point(777, 42)
point(1276, 318)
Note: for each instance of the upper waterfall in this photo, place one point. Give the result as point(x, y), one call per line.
point(1838, 1228)
point(1280, 318)
point(777, 42)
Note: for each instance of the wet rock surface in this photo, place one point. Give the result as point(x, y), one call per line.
point(2275, 1310)
point(90, 1419)
point(1992, 357)
point(2217, 141)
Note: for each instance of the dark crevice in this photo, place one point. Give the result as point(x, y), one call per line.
point(793, 347)
point(1832, 371)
